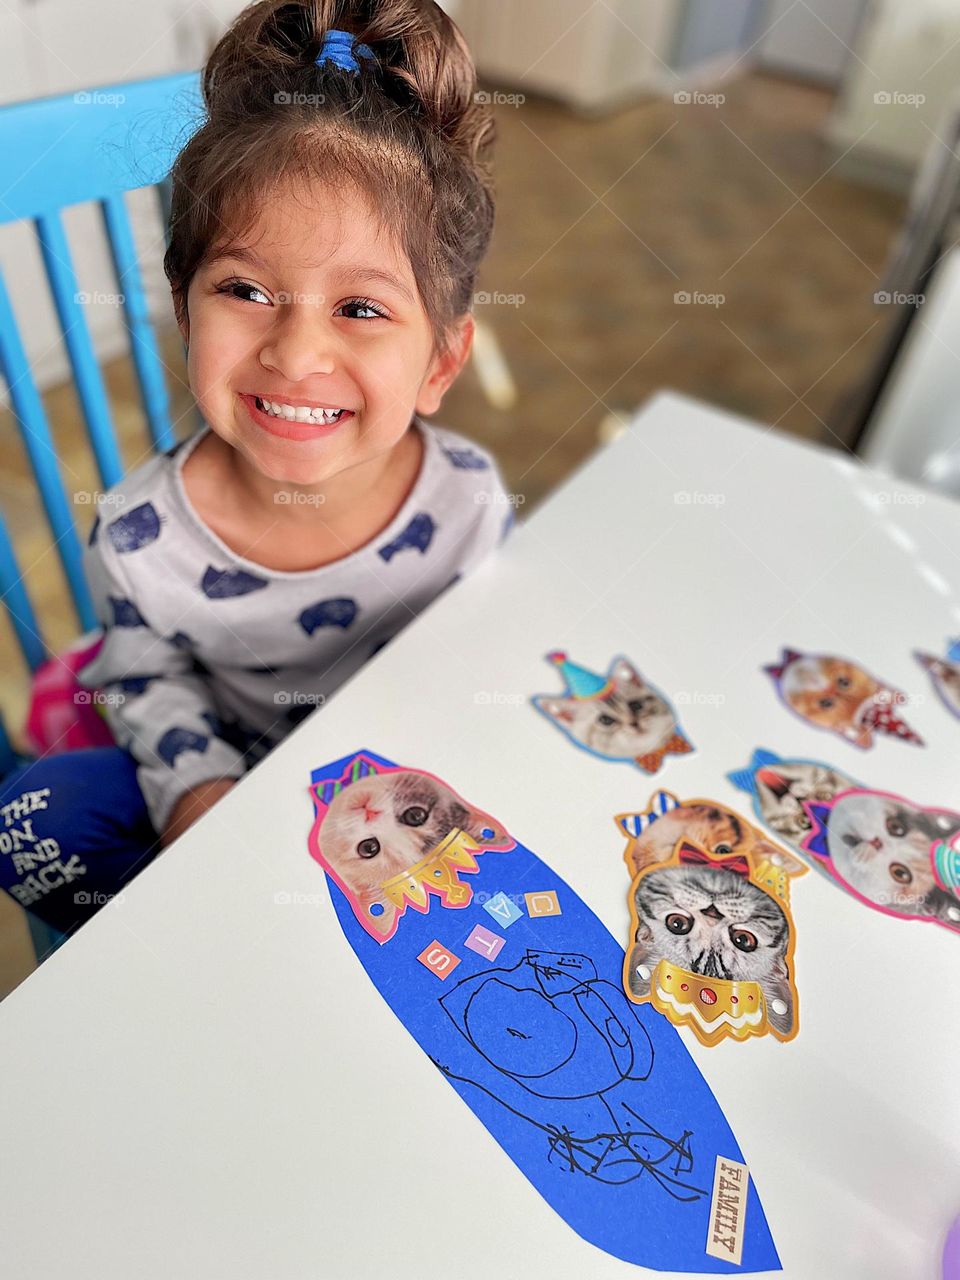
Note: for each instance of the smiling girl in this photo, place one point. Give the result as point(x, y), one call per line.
point(328, 221)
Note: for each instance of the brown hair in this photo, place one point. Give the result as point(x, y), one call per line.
point(407, 130)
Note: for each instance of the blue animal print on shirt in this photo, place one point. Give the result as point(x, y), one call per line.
point(467, 459)
point(125, 612)
point(180, 640)
point(135, 528)
point(418, 535)
point(340, 611)
point(223, 584)
point(178, 740)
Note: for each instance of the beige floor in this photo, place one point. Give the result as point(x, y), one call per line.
point(600, 224)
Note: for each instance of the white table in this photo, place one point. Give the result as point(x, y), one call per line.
point(175, 1078)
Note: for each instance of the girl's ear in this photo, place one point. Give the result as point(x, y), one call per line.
point(445, 367)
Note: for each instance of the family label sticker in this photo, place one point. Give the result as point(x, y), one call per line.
point(619, 716)
point(594, 1098)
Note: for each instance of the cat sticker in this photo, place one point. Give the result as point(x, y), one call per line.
point(890, 853)
point(397, 838)
point(944, 674)
point(840, 697)
point(780, 789)
point(522, 1011)
point(619, 716)
point(712, 936)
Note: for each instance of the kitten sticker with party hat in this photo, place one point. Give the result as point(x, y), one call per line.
point(712, 934)
point(513, 990)
point(619, 716)
point(944, 674)
point(839, 696)
point(889, 853)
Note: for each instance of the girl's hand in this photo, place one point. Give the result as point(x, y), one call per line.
point(191, 805)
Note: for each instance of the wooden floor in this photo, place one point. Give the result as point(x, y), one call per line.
point(600, 225)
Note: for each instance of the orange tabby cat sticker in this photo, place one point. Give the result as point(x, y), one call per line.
point(712, 934)
point(837, 695)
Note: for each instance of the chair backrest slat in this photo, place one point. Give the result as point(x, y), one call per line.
point(17, 602)
point(73, 324)
point(143, 344)
point(35, 431)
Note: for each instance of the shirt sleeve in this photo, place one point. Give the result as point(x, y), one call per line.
point(158, 707)
point(494, 515)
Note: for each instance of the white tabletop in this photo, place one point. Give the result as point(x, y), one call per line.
point(204, 1083)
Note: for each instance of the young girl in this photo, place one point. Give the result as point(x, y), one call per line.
point(328, 222)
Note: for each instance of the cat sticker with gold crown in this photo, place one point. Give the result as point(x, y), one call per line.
point(944, 674)
point(712, 935)
point(840, 697)
point(619, 716)
point(512, 987)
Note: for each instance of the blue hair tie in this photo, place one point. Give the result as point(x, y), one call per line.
point(338, 48)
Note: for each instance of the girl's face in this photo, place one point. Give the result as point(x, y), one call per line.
point(318, 308)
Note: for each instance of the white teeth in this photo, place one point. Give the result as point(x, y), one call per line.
point(299, 413)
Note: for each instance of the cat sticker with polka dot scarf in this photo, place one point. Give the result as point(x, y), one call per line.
point(511, 986)
point(617, 716)
point(712, 937)
point(840, 697)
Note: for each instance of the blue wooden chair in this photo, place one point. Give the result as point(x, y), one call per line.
point(62, 151)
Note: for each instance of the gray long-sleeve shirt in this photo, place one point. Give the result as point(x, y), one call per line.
point(209, 659)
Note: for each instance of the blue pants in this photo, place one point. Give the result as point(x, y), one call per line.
point(74, 829)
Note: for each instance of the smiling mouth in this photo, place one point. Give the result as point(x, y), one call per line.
point(299, 414)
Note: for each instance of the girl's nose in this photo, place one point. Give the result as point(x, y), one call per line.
point(299, 344)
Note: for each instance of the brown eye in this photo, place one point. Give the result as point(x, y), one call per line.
point(743, 940)
point(605, 720)
point(415, 816)
point(900, 873)
point(826, 703)
point(369, 848)
point(678, 923)
point(843, 682)
point(723, 848)
point(896, 828)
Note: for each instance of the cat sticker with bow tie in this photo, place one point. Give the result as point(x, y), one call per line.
point(619, 716)
point(837, 695)
point(712, 935)
point(512, 987)
point(944, 674)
